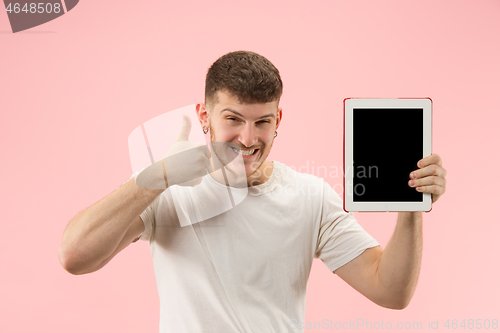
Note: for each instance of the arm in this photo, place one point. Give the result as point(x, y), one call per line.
point(389, 277)
point(94, 234)
point(97, 234)
point(399, 265)
point(137, 228)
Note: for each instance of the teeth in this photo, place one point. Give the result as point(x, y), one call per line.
point(244, 152)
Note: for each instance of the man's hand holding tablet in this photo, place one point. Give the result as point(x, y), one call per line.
point(430, 178)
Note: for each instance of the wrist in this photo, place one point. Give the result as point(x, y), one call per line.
point(410, 216)
point(145, 192)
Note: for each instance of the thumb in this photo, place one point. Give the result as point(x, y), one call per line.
point(185, 129)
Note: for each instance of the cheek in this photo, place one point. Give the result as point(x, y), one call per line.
point(269, 137)
point(226, 134)
point(221, 132)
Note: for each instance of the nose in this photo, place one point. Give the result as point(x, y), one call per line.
point(248, 135)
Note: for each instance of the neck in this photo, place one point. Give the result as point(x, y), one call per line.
point(261, 175)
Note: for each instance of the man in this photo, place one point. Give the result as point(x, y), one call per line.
point(246, 269)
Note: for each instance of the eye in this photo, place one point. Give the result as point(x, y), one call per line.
point(230, 118)
point(264, 121)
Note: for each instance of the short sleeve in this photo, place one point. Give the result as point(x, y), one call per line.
point(341, 238)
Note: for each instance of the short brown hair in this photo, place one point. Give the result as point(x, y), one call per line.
point(243, 74)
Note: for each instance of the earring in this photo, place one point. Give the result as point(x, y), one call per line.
point(275, 133)
point(205, 130)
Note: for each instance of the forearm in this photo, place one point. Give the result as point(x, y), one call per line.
point(399, 265)
point(94, 234)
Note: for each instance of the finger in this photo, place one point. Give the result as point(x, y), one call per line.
point(430, 180)
point(430, 170)
point(185, 129)
point(434, 189)
point(431, 159)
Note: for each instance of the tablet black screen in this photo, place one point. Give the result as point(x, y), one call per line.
point(387, 144)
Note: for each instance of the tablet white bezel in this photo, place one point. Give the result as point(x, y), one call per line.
point(383, 103)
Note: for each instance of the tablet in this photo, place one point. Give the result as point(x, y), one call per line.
point(383, 141)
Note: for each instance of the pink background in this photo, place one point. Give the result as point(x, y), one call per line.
point(72, 90)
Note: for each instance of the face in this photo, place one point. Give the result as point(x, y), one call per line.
point(245, 127)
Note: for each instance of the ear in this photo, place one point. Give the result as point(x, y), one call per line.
point(202, 113)
point(278, 117)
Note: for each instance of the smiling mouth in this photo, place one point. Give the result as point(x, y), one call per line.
point(245, 152)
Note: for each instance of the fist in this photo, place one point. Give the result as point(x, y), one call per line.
point(184, 164)
point(430, 178)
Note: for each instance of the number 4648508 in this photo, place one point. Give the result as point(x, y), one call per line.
point(34, 8)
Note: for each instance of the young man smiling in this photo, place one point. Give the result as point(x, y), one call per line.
point(250, 127)
point(245, 269)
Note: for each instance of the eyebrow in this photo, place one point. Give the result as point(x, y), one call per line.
point(239, 114)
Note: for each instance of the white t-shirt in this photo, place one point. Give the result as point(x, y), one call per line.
point(246, 269)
